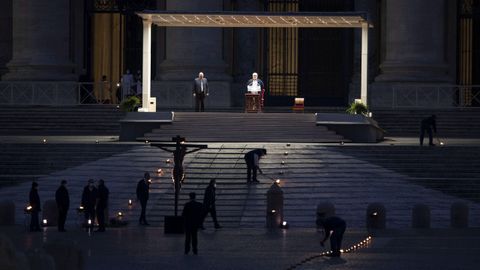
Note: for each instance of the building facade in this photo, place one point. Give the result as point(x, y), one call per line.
point(421, 53)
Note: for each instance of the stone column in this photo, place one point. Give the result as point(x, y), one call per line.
point(190, 50)
point(6, 36)
point(187, 52)
point(369, 6)
point(40, 41)
point(415, 34)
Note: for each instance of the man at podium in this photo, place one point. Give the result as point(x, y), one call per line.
point(256, 86)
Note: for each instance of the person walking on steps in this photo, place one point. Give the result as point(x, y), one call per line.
point(142, 195)
point(209, 203)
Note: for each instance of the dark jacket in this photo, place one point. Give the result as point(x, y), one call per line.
point(193, 214)
point(142, 190)
point(62, 198)
point(250, 154)
point(209, 196)
point(197, 88)
point(430, 122)
point(332, 223)
point(89, 197)
point(34, 200)
point(102, 196)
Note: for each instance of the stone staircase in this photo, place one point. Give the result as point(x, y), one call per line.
point(49, 120)
point(348, 177)
point(241, 127)
point(28, 161)
point(458, 123)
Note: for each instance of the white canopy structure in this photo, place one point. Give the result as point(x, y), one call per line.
point(249, 20)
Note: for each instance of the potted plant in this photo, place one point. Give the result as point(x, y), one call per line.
point(358, 108)
point(130, 104)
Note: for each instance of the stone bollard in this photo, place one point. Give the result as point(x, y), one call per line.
point(9, 258)
point(459, 215)
point(66, 254)
point(7, 213)
point(324, 209)
point(39, 260)
point(421, 216)
point(274, 206)
point(376, 216)
point(50, 213)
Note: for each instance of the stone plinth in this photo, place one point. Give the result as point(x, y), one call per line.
point(421, 216)
point(7, 213)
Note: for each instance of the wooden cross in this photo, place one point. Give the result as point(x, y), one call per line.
point(181, 149)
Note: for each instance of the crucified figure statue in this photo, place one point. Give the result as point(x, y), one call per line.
point(179, 152)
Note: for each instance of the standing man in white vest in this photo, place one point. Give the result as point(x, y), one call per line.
point(200, 91)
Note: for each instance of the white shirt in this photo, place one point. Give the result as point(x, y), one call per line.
point(201, 85)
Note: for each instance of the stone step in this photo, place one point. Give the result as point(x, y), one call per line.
point(312, 174)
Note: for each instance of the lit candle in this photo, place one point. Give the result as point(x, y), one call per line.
point(273, 211)
point(286, 153)
point(168, 161)
point(44, 221)
point(120, 214)
point(44, 140)
point(89, 222)
point(130, 202)
point(159, 171)
point(277, 181)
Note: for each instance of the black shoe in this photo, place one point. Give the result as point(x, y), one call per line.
point(146, 224)
point(256, 181)
point(195, 252)
point(202, 228)
point(432, 144)
point(218, 226)
point(62, 230)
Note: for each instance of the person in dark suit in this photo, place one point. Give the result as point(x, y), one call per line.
point(334, 227)
point(428, 124)
point(89, 202)
point(142, 196)
point(209, 203)
point(63, 203)
point(200, 91)
point(252, 160)
point(34, 201)
point(193, 215)
point(102, 204)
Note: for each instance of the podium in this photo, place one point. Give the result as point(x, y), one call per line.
point(252, 103)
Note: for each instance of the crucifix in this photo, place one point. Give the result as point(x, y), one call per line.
point(179, 150)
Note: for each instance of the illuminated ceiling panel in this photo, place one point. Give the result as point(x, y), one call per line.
point(258, 19)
